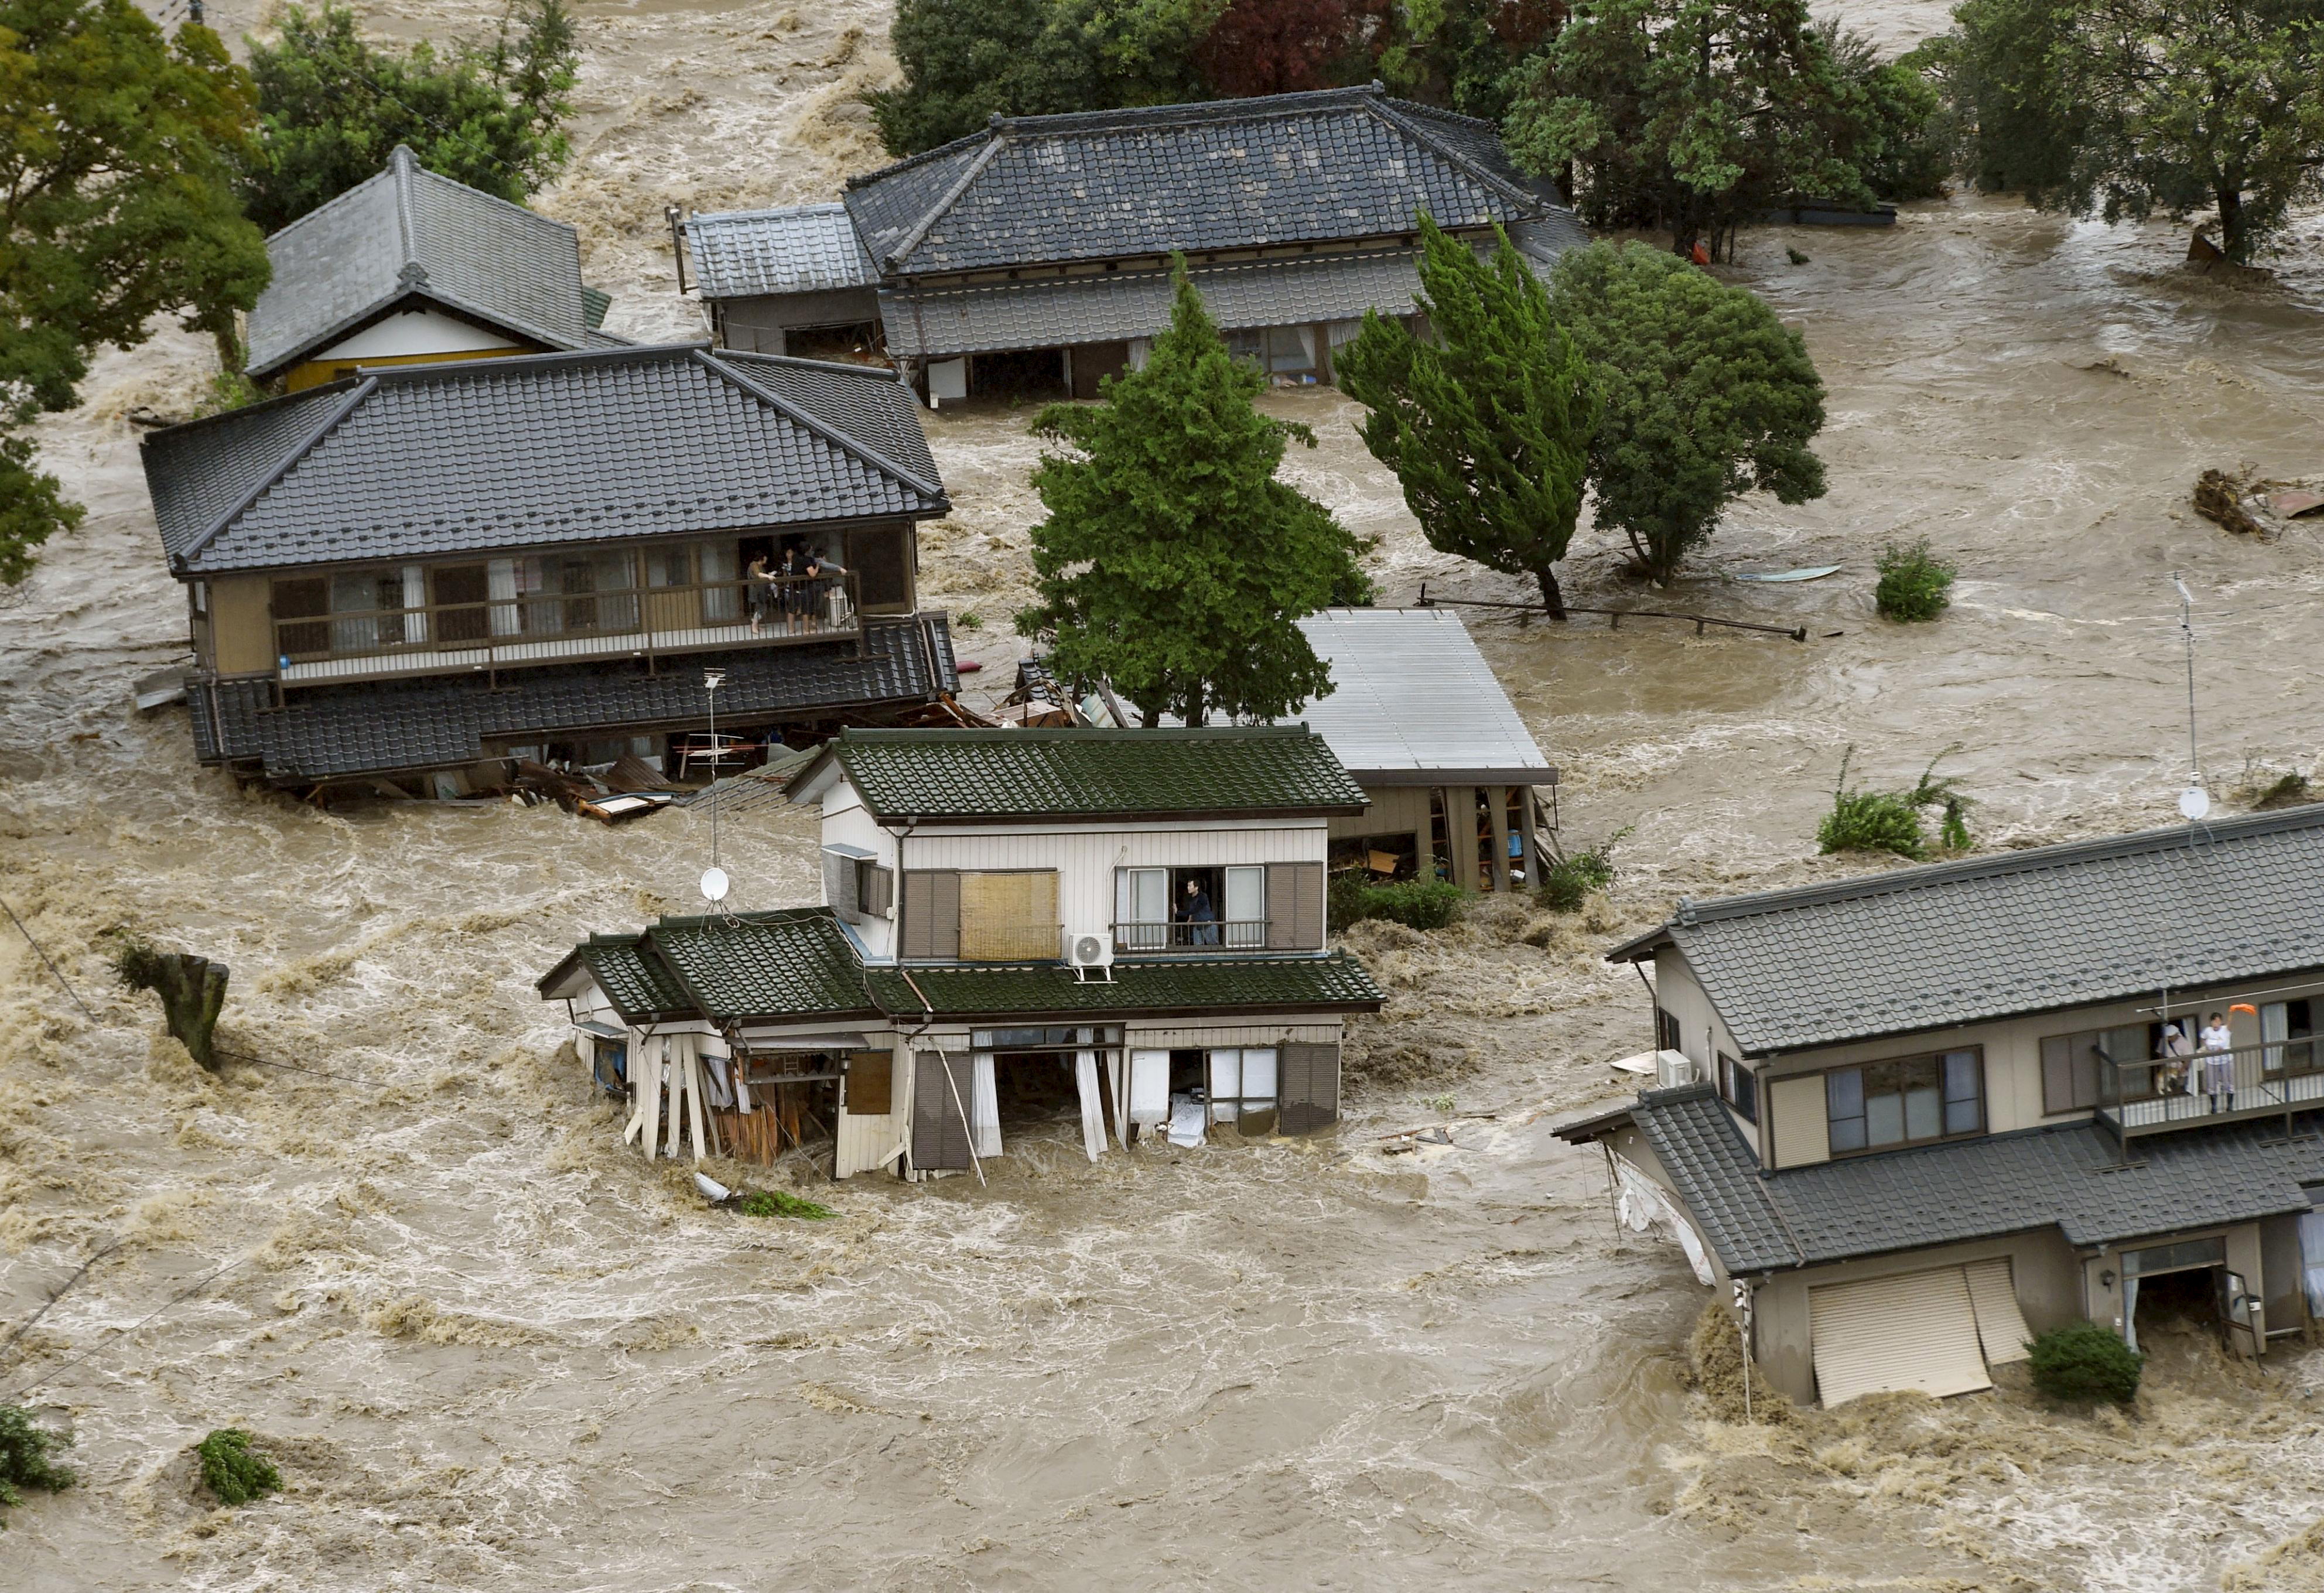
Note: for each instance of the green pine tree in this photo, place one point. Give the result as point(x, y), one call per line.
point(1487, 426)
point(1172, 561)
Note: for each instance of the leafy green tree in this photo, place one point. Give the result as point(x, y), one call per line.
point(1691, 115)
point(334, 106)
point(116, 146)
point(966, 60)
point(1707, 396)
point(1464, 53)
point(1488, 424)
point(1172, 560)
point(2121, 108)
point(1906, 150)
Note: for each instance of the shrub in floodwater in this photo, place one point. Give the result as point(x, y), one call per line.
point(25, 1451)
point(2086, 1363)
point(1566, 883)
point(1890, 821)
point(1914, 582)
point(776, 1203)
point(1416, 904)
point(232, 1472)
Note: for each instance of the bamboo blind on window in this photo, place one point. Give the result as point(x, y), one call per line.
point(1008, 917)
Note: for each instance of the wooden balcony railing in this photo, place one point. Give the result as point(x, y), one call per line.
point(542, 628)
point(2149, 1096)
point(1232, 934)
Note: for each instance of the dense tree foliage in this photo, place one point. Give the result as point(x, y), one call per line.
point(1696, 115)
point(333, 106)
point(117, 152)
point(1706, 396)
point(1487, 423)
point(1172, 560)
point(967, 61)
point(2121, 108)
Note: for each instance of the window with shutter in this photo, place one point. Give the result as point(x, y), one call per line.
point(870, 1084)
point(839, 884)
point(931, 918)
point(1295, 906)
point(940, 1090)
point(1008, 916)
point(875, 889)
point(1309, 1084)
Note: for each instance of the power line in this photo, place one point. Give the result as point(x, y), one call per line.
point(199, 1285)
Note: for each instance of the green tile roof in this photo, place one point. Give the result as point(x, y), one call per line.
point(798, 964)
point(965, 774)
point(1338, 981)
point(791, 964)
point(635, 980)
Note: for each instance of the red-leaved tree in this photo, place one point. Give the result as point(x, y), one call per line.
point(1284, 46)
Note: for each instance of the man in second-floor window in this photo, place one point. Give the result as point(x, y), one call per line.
point(1200, 917)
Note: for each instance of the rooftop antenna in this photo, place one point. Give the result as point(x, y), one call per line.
point(714, 883)
point(2194, 802)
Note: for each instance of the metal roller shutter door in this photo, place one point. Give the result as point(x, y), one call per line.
point(2000, 1325)
point(1915, 1332)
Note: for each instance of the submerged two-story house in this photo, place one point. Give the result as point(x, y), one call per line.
point(1923, 1115)
point(1033, 256)
point(412, 575)
point(1016, 924)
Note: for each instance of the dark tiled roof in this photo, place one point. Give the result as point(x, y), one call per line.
point(1336, 981)
point(934, 774)
point(798, 964)
point(795, 249)
point(640, 985)
point(409, 232)
point(787, 965)
point(442, 721)
point(2049, 927)
point(2069, 1178)
point(1228, 174)
point(483, 455)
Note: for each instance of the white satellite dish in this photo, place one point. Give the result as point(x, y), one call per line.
point(2194, 802)
point(714, 885)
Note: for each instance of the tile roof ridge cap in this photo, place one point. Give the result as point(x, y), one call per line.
point(463, 369)
point(884, 374)
point(949, 147)
point(799, 415)
point(895, 258)
point(1188, 113)
point(2026, 859)
point(526, 211)
point(761, 214)
point(1389, 112)
point(363, 388)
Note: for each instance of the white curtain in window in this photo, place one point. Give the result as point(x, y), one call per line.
point(1259, 1074)
point(500, 578)
point(1246, 908)
point(1342, 332)
point(355, 593)
point(1142, 896)
point(1149, 1087)
point(1093, 1108)
point(984, 1107)
point(2274, 1026)
point(720, 605)
point(2130, 1312)
point(415, 598)
point(1141, 349)
point(2311, 1260)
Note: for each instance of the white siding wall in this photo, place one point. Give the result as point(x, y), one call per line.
point(415, 331)
point(1086, 857)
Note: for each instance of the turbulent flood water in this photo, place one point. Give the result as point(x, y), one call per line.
point(491, 1350)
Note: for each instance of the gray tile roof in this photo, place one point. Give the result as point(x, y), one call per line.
point(475, 455)
point(1228, 174)
point(1411, 693)
point(938, 323)
point(409, 232)
point(443, 722)
point(797, 964)
point(1028, 774)
point(2047, 928)
point(796, 249)
point(2069, 1178)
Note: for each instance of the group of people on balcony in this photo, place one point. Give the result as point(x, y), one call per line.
point(2204, 1066)
point(794, 588)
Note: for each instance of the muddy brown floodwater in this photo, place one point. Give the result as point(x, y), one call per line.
point(490, 1351)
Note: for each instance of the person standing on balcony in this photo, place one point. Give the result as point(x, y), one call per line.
point(2218, 1058)
point(1200, 919)
point(760, 592)
point(793, 590)
point(2174, 1051)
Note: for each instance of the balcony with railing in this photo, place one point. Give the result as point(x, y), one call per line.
point(545, 628)
point(2275, 1078)
point(1151, 939)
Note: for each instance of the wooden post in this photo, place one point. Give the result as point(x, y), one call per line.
point(1460, 833)
point(1499, 797)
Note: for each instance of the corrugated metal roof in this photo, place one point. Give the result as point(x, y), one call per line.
point(795, 249)
point(1223, 174)
point(486, 455)
point(1020, 774)
point(2070, 1178)
point(409, 231)
point(1411, 693)
point(2046, 928)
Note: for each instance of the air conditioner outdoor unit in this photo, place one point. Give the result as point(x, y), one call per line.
point(1672, 1069)
point(1091, 957)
